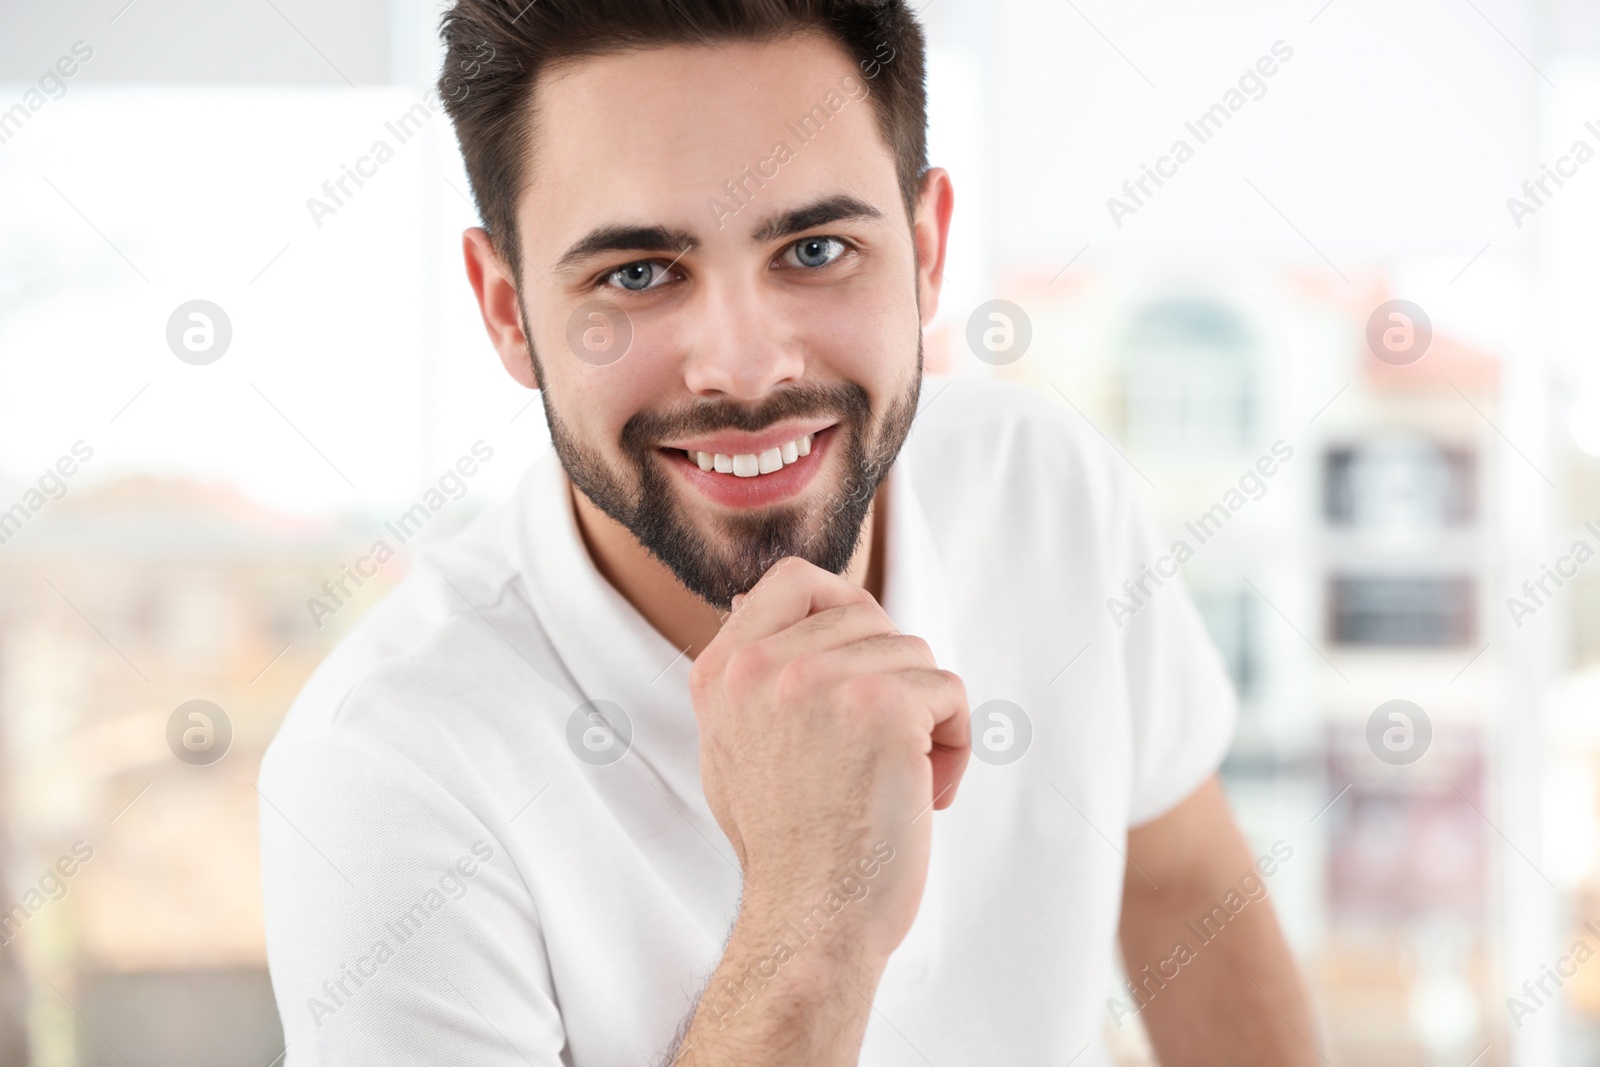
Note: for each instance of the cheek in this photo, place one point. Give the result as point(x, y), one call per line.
point(595, 402)
point(595, 390)
point(867, 335)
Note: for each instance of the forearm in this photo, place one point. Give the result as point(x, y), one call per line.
point(774, 1001)
point(1218, 995)
point(825, 734)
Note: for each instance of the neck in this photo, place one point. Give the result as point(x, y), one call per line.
point(686, 621)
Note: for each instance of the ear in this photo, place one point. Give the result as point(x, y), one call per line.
point(496, 290)
point(931, 232)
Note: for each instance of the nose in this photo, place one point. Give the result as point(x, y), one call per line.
point(742, 345)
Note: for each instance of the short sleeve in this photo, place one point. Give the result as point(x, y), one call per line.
point(1182, 704)
point(399, 932)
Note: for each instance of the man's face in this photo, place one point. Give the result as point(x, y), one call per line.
point(720, 288)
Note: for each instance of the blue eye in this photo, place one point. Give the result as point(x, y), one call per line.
point(636, 276)
point(817, 251)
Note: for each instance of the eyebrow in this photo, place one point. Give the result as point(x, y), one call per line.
point(632, 238)
point(829, 209)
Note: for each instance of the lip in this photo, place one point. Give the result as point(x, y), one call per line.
point(739, 442)
point(764, 489)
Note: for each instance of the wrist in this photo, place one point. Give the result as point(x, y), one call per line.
point(821, 931)
point(780, 974)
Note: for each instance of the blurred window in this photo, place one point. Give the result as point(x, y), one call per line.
point(1189, 377)
point(1399, 481)
point(1402, 610)
point(1230, 618)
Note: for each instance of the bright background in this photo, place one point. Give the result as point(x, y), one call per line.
point(1228, 312)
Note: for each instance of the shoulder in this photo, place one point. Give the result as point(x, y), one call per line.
point(989, 447)
point(446, 663)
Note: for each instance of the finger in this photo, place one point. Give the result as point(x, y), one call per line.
point(884, 654)
point(949, 767)
point(952, 740)
point(835, 628)
point(791, 589)
point(944, 699)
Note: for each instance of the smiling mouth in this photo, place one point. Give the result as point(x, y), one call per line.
point(752, 464)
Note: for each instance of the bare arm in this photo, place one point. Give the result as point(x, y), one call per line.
point(825, 737)
point(1211, 986)
point(811, 1011)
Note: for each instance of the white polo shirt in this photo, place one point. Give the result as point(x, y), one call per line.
point(446, 881)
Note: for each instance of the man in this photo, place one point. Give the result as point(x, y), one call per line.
point(667, 760)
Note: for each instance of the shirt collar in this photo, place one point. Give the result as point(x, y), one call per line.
point(610, 652)
point(915, 592)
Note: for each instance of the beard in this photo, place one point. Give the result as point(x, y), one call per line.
point(717, 556)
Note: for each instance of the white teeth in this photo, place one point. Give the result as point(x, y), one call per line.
point(750, 464)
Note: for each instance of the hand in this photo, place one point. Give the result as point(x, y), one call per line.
point(825, 738)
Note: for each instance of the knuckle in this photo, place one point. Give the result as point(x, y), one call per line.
point(702, 674)
point(867, 690)
point(747, 665)
point(870, 615)
point(799, 677)
point(707, 664)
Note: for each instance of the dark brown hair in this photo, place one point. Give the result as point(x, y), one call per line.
point(495, 50)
